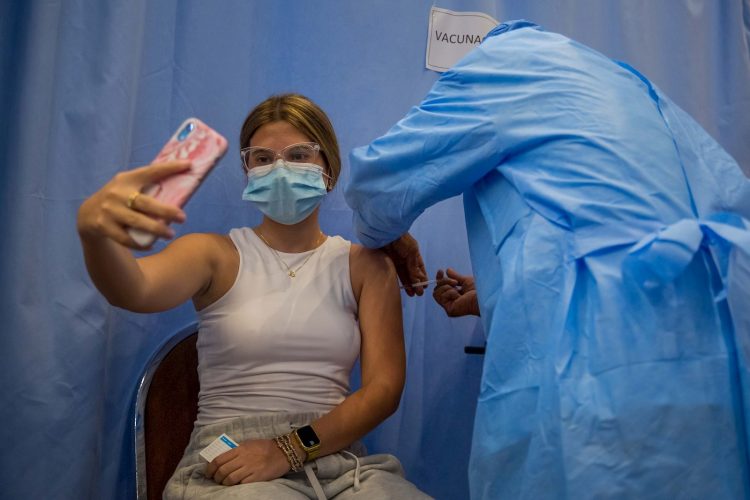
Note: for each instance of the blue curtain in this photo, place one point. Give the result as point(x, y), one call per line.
point(88, 89)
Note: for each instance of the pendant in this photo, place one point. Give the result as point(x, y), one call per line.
point(291, 274)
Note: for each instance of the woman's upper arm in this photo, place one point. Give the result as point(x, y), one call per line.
point(375, 282)
point(179, 272)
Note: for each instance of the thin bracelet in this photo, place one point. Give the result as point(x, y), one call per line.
point(285, 445)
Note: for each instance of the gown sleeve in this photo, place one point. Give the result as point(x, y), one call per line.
point(468, 122)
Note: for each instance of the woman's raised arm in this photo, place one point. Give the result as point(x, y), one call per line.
point(155, 283)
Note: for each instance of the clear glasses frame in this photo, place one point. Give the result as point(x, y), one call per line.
point(301, 152)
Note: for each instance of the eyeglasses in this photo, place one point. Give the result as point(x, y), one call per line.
point(303, 152)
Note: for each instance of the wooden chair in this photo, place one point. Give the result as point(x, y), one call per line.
point(165, 410)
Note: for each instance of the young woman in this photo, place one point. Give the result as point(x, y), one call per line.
point(284, 311)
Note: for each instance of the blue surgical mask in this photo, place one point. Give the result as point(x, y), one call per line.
point(286, 192)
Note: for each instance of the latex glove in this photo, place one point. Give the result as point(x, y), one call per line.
point(106, 214)
point(404, 252)
point(456, 293)
point(251, 461)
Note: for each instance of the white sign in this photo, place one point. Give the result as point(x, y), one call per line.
point(453, 34)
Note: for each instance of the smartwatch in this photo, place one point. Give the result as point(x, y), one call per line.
point(308, 440)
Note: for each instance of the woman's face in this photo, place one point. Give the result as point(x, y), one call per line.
point(278, 135)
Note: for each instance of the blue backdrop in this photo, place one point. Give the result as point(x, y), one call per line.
point(91, 88)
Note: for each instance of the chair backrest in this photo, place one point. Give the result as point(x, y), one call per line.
point(166, 409)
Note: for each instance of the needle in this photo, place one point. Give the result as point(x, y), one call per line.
point(421, 283)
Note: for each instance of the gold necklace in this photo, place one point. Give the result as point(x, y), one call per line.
point(292, 273)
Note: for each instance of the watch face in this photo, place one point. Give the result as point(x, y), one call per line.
point(308, 437)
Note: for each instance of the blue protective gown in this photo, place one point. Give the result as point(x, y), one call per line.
point(609, 242)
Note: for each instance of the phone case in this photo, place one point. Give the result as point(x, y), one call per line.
point(194, 141)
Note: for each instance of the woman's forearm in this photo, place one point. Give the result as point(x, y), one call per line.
point(357, 415)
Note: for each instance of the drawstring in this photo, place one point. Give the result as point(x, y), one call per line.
point(356, 470)
point(318, 489)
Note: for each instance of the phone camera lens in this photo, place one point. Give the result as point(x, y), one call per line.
point(185, 131)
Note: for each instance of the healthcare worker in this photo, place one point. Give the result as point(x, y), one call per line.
point(609, 240)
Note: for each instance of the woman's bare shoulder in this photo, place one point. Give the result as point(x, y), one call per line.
point(369, 265)
point(202, 242)
point(222, 257)
point(211, 248)
point(368, 257)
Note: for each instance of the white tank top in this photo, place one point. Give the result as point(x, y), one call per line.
point(274, 343)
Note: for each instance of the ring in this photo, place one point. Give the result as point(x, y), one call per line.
point(131, 199)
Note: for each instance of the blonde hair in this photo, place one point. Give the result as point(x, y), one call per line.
point(302, 114)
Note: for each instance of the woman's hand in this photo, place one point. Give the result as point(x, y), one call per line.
point(252, 461)
point(118, 206)
point(404, 252)
point(456, 293)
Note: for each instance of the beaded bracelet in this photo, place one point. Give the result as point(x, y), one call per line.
point(285, 444)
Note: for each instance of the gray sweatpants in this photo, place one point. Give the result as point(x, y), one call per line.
point(345, 475)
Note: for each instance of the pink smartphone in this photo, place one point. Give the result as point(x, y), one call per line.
point(194, 141)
